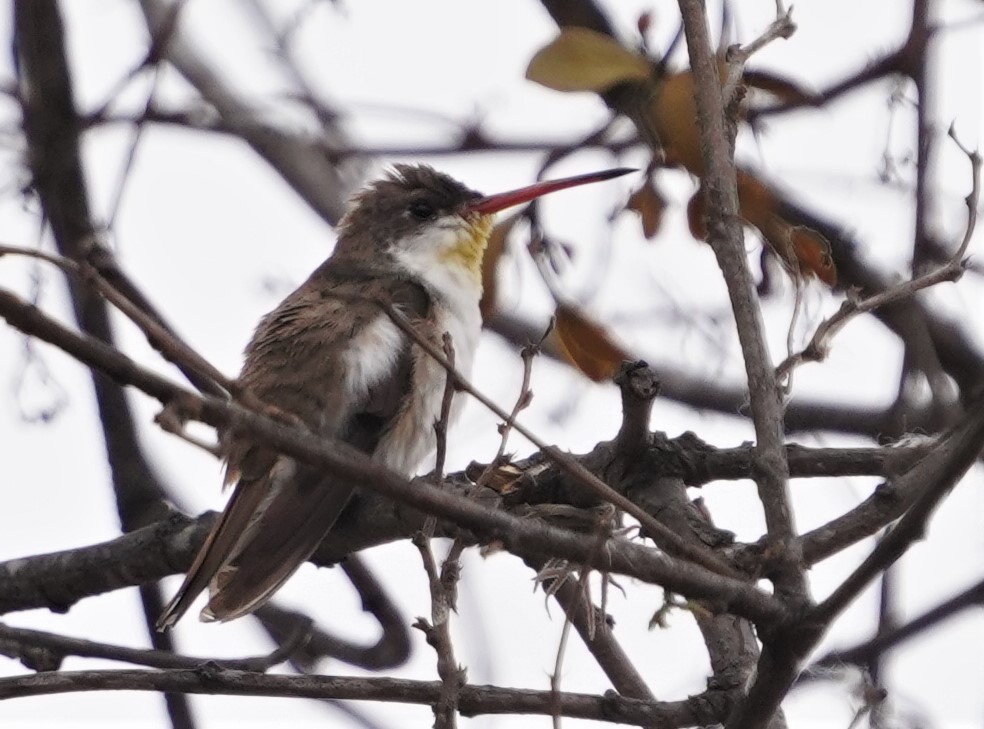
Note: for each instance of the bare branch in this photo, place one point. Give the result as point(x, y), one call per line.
point(726, 238)
point(347, 462)
point(952, 270)
point(935, 475)
point(438, 630)
point(44, 651)
point(701, 709)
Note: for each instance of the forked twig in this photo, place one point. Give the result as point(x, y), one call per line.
point(819, 345)
point(437, 631)
point(527, 353)
point(737, 56)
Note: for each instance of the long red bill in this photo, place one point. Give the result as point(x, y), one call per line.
point(494, 203)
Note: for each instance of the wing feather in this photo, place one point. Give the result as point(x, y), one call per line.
point(280, 510)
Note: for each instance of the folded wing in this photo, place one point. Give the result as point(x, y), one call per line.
point(338, 364)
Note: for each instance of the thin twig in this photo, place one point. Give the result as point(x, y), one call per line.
point(737, 56)
point(527, 354)
point(160, 337)
point(441, 425)
point(973, 597)
point(581, 600)
point(816, 350)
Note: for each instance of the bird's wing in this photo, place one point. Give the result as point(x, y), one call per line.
point(342, 376)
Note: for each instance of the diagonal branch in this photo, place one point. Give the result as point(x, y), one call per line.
point(521, 536)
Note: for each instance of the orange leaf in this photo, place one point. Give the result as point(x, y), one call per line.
point(756, 200)
point(813, 253)
point(650, 204)
point(587, 344)
point(673, 116)
point(756, 203)
point(802, 250)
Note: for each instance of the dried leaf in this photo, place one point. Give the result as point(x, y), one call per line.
point(490, 262)
point(587, 344)
point(585, 60)
point(650, 204)
point(673, 116)
point(778, 86)
point(802, 250)
point(757, 201)
point(696, 220)
point(812, 253)
point(504, 479)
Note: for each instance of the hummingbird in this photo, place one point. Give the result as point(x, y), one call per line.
point(331, 359)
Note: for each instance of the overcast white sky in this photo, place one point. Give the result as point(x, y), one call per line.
point(216, 240)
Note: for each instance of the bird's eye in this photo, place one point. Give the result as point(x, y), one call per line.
point(421, 210)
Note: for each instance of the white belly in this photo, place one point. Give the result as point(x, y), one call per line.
point(412, 437)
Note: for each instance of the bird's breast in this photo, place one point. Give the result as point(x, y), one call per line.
point(411, 438)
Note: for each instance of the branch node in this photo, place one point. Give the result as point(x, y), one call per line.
point(639, 385)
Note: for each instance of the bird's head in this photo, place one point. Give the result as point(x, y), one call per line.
point(423, 218)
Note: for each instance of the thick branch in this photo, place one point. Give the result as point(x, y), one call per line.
point(726, 237)
point(474, 700)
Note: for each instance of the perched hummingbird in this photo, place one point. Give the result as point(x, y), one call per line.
point(328, 356)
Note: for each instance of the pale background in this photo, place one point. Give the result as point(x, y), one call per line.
point(216, 239)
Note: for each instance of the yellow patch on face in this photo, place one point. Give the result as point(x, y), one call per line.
point(469, 248)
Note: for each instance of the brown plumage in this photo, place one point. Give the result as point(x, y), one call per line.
point(299, 361)
point(329, 357)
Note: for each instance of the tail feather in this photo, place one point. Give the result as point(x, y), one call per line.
point(310, 505)
point(219, 544)
point(270, 527)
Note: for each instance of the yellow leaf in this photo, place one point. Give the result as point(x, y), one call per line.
point(587, 344)
point(585, 60)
